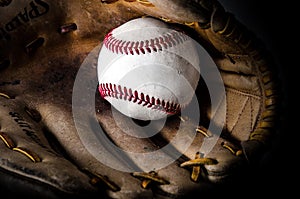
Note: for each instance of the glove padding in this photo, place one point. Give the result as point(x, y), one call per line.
point(43, 46)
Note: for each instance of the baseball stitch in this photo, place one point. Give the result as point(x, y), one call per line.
point(119, 92)
point(165, 41)
point(117, 46)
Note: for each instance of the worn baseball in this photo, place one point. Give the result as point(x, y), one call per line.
point(148, 70)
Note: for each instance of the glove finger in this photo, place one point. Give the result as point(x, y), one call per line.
point(29, 155)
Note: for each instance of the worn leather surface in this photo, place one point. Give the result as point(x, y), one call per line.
point(43, 45)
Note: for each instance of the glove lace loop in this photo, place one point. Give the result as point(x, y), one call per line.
point(98, 179)
point(5, 95)
point(8, 141)
point(150, 178)
point(197, 165)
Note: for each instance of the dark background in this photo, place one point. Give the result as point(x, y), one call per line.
point(274, 22)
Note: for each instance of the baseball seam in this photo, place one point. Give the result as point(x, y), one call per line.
point(119, 92)
point(156, 44)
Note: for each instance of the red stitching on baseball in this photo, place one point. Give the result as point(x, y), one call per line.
point(118, 92)
point(165, 41)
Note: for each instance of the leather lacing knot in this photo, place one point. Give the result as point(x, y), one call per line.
point(150, 178)
point(200, 161)
point(196, 165)
point(97, 179)
point(237, 151)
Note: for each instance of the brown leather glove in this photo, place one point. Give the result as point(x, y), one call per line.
point(60, 139)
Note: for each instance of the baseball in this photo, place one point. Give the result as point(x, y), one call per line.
point(148, 70)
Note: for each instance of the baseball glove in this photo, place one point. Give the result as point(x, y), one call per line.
point(60, 139)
